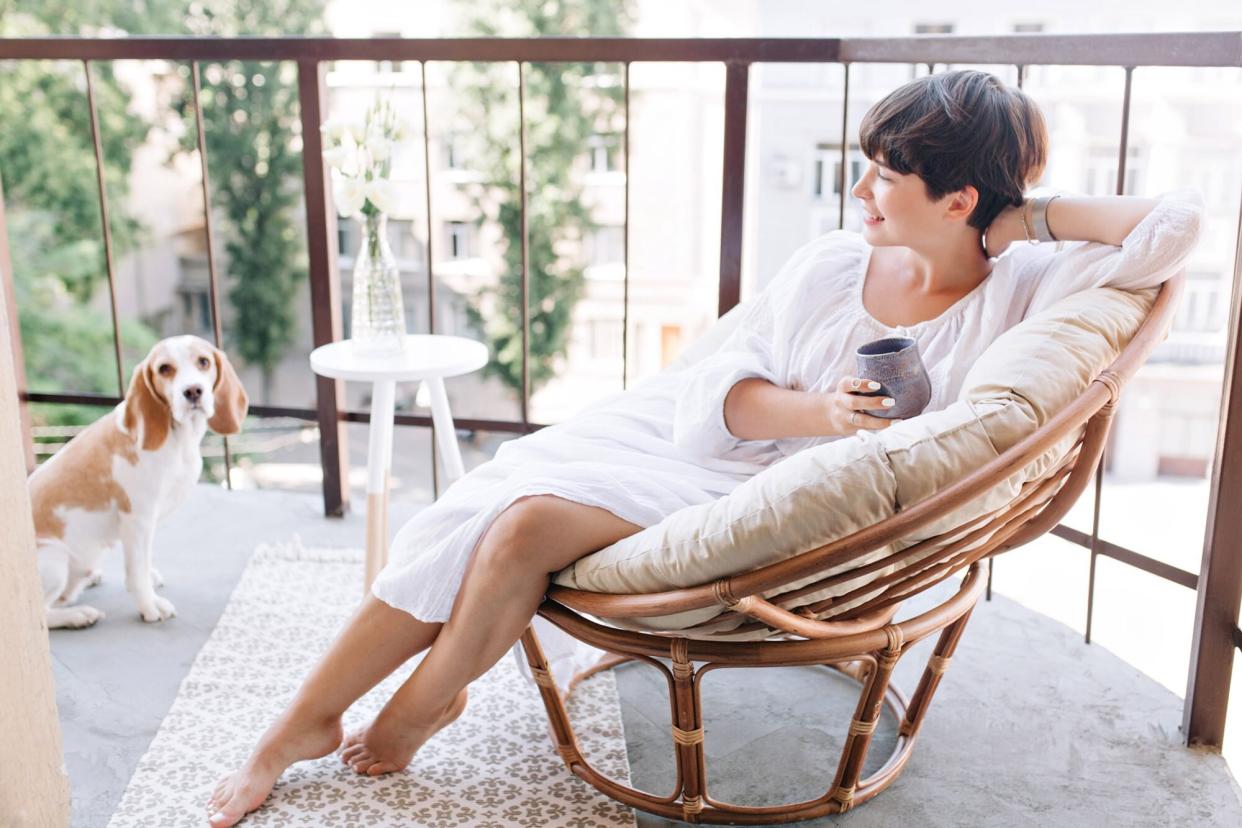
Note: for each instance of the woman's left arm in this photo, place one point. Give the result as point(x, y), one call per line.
point(1124, 242)
point(1103, 219)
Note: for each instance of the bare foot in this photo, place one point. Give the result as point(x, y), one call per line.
point(390, 742)
point(244, 790)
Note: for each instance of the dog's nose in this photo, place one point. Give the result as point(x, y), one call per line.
point(194, 393)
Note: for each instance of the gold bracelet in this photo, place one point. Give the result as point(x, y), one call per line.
point(1025, 229)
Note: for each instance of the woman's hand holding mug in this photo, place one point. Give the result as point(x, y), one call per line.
point(848, 405)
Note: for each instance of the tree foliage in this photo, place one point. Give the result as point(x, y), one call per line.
point(47, 159)
point(52, 205)
point(251, 129)
point(565, 105)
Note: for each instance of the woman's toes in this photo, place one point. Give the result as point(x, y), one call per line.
point(381, 768)
point(225, 807)
point(222, 819)
point(361, 761)
point(351, 739)
point(226, 816)
point(218, 796)
point(352, 752)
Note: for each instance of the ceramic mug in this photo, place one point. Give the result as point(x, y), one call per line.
point(895, 363)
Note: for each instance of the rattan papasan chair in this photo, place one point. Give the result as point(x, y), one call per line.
point(809, 561)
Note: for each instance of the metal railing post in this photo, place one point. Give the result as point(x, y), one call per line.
point(1220, 574)
point(107, 227)
point(733, 190)
point(321, 242)
point(217, 327)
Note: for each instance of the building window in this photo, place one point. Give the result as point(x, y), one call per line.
point(459, 240)
point(1186, 443)
point(197, 309)
point(454, 152)
point(405, 245)
point(1217, 175)
point(1102, 171)
point(603, 151)
point(933, 28)
point(827, 178)
point(344, 237)
point(1204, 307)
point(1028, 28)
point(606, 245)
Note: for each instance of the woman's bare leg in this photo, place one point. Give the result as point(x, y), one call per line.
point(503, 586)
point(376, 641)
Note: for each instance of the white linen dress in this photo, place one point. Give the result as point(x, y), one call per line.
point(646, 452)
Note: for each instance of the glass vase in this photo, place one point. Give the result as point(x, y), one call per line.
point(377, 320)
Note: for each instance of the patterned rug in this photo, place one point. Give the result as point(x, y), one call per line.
point(495, 766)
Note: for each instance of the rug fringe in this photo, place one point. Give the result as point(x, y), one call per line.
point(294, 550)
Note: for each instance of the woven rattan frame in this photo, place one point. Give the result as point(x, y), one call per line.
point(864, 642)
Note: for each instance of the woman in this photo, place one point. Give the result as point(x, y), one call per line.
point(951, 156)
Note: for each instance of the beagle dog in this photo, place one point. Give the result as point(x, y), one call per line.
point(123, 473)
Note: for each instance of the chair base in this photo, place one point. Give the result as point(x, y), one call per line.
point(854, 656)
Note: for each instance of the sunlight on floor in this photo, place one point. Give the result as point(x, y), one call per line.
point(1143, 619)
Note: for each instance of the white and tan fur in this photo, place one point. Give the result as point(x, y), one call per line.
point(115, 480)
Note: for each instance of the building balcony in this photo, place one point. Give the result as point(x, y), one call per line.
point(1034, 725)
point(1031, 725)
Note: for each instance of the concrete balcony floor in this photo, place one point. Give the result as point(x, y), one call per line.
point(1030, 726)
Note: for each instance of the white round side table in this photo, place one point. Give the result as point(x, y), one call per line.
point(428, 358)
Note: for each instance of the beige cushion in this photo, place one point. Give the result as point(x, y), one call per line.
point(834, 489)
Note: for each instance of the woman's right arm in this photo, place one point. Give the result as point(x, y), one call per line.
point(756, 352)
point(756, 409)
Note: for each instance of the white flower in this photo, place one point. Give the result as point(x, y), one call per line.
point(383, 194)
point(357, 129)
point(341, 157)
point(349, 195)
point(379, 148)
point(334, 129)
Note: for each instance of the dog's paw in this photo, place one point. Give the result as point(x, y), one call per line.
point(160, 609)
point(72, 618)
point(157, 580)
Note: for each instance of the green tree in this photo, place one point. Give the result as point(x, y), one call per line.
point(252, 131)
point(47, 160)
point(67, 344)
point(565, 104)
point(57, 252)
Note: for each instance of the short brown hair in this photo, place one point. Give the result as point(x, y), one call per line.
point(958, 128)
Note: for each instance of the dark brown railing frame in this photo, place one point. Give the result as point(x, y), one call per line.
point(1219, 584)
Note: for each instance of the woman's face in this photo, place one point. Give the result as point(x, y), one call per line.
point(896, 208)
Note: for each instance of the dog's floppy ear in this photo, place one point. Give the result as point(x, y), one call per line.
point(145, 406)
point(231, 400)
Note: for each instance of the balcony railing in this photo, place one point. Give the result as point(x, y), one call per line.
point(1219, 582)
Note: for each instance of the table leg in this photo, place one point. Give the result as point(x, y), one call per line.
point(379, 460)
point(446, 436)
